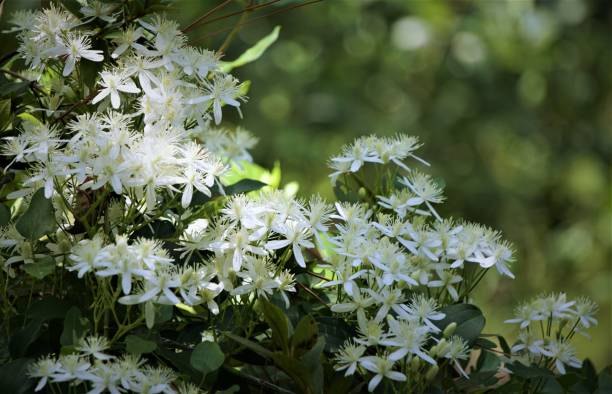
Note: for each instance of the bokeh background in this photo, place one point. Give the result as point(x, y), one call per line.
point(512, 99)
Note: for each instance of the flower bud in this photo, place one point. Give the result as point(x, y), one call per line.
point(415, 363)
point(449, 330)
point(362, 192)
point(432, 372)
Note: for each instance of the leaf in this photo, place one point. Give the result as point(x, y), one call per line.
point(605, 381)
point(262, 351)
point(13, 89)
point(39, 219)
point(207, 357)
point(278, 322)
point(40, 268)
point(312, 362)
point(137, 345)
point(23, 338)
point(5, 114)
point(485, 343)
point(253, 53)
point(469, 319)
point(305, 332)
point(48, 309)
point(74, 327)
point(5, 215)
point(14, 378)
point(528, 372)
point(335, 331)
point(244, 186)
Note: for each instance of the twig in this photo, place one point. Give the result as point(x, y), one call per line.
point(246, 9)
point(258, 381)
point(74, 106)
point(312, 293)
point(33, 84)
point(235, 30)
point(194, 24)
point(288, 8)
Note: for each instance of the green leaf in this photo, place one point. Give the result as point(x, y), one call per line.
point(469, 319)
point(257, 348)
point(5, 215)
point(253, 53)
point(40, 268)
point(335, 331)
point(39, 219)
point(305, 332)
point(207, 357)
point(23, 338)
point(5, 114)
point(312, 362)
point(244, 186)
point(48, 308)
point(528, 372)
point(278, 322)
point(136, 345)
point(605, 381)
point(14, 378)
point(74, 327)
point(13, 89)
point(485, 343)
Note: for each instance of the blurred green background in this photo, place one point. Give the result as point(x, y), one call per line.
point(512, 99)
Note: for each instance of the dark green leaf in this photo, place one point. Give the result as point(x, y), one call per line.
point(207, 357)
point(528, 372)
point(137, 345)
point(278, 322)
point(244, 186)
point(5, 215)
point(305, 332)
point(605, 381)
point(74, 327)
point(335, 331)
point(14, 378)
point(23, 338)
point(469, 319)
point(48, 308)
point(41, 267)
point(262, 351)
point(13, 89)
point(5, 114)
point(39, 219)
point(485, 343)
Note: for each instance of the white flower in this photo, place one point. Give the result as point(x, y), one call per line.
point(381, 367)
point(44, 369)
point(563, 354)
point(409, 337)
point(224, 89)
point(348, 357)
point(74, 48)
point(94, 346)
point(112, 84)
point(296, 235)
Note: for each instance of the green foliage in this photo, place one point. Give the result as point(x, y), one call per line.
point(207, 357)
point(137, 345)
point(469, 320)
point(253, 53)
point(39, 219)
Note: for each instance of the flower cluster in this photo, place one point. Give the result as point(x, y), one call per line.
point(546, 326)
point(174, 90)
point(385, 260)
point(100, 372)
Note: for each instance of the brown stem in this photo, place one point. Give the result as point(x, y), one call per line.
point(196, 22)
